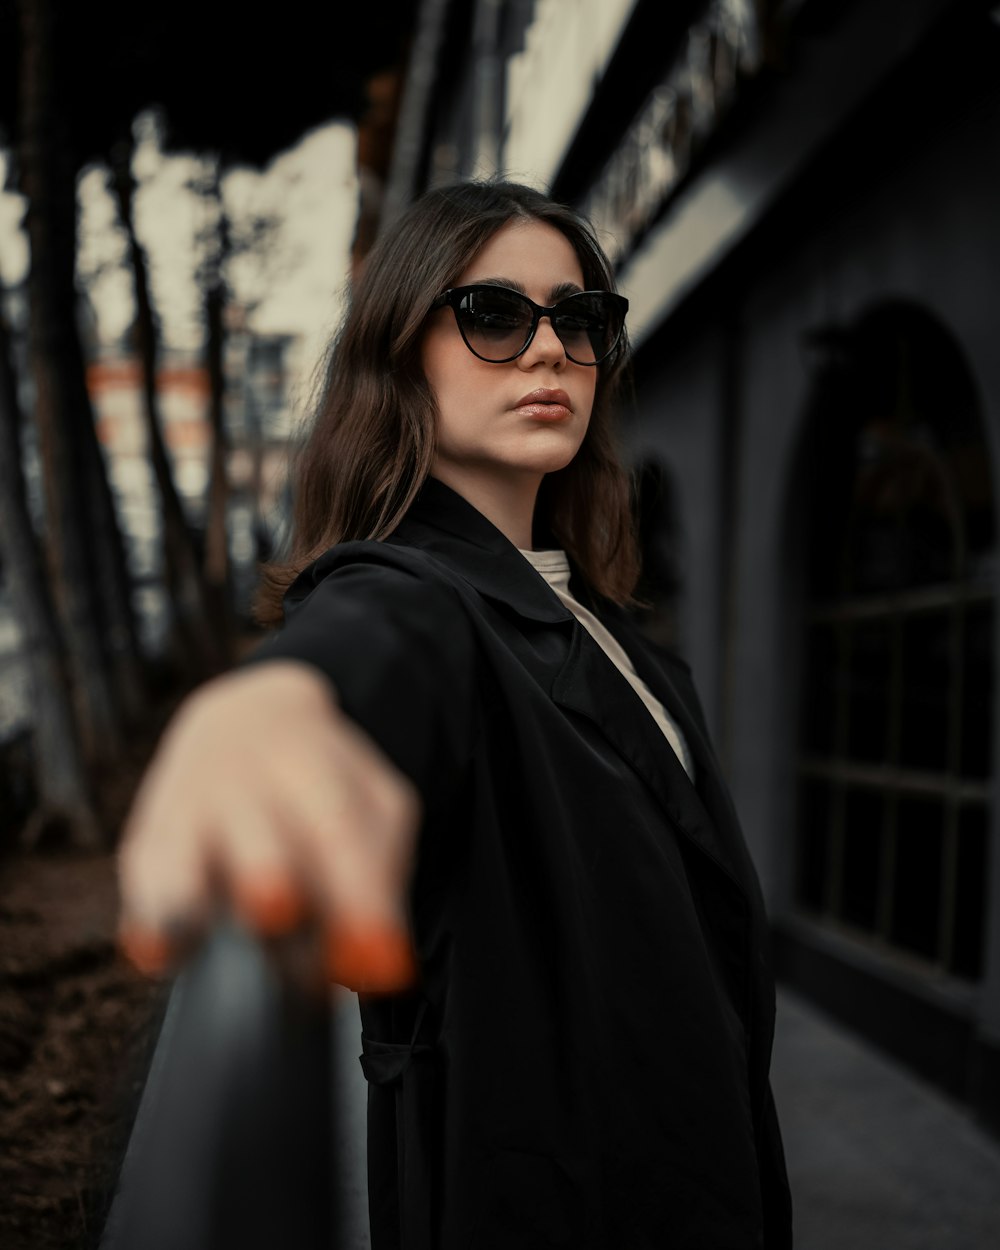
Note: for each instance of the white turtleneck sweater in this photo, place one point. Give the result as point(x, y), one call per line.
point(553, 566)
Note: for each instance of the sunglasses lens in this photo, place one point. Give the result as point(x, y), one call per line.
point(588, 325)
point(495, 324)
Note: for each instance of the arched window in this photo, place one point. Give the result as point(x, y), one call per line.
point(659, 544)
point(897, 689)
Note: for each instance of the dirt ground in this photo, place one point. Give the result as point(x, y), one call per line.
point(75, 1025)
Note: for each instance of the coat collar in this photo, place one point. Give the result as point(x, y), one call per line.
point(442, 523)
point(448, 527)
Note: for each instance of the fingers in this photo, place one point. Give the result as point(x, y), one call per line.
point(164, 884)
point(255, 870)
point(357, 822)
point(267, 801)
point(372, 960)
point(356, 833)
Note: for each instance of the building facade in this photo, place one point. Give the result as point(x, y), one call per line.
point(802, 201)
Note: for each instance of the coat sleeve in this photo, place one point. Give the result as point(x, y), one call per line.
point(397, 646)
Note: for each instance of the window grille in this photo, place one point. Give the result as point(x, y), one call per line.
point(897, 678)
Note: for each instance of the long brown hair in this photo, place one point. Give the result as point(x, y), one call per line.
point(371, 445)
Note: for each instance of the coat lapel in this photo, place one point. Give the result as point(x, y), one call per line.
point(446, 526)
point(671, 683)
point(590, 685)
point(586, 682)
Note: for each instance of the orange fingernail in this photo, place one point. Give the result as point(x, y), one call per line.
point(374, 959)
point(273, 905)
point(145, 949)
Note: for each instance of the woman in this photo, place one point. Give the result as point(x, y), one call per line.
point(499, 801)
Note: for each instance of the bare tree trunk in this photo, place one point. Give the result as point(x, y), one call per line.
point(193, 643)
point(61, 783)
point(114, 599)
point(261, 534)
point(217, 573)
point(48, 182)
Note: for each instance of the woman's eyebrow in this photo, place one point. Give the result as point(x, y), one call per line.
point(562, 290)
point(511, 283)
point(555, 295)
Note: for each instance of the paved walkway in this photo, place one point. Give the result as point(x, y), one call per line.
point(877, 1159)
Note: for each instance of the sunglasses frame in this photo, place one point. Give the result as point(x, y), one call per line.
point(453, 297)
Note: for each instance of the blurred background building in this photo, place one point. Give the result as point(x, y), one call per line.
point(802, 200)
point(259, 427)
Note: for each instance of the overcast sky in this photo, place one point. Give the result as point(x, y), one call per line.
point(294, 283)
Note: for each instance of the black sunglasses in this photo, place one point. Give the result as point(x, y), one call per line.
point(498, 323)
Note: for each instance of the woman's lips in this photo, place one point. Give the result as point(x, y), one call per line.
point(545, 405)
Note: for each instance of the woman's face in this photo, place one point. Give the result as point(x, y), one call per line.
point(489, 418)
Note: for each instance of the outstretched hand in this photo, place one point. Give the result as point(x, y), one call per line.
point(265, 799)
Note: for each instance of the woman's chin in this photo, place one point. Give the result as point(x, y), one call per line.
point(555, 454)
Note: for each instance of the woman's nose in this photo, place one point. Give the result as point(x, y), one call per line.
point(545, 347)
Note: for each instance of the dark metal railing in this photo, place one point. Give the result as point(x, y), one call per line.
point(232, 1143)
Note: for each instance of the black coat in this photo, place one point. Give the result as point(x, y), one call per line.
point(586, 1064)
